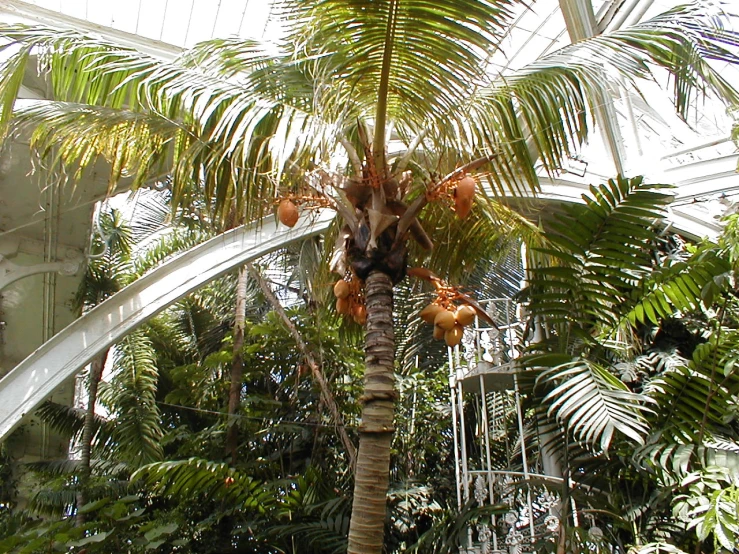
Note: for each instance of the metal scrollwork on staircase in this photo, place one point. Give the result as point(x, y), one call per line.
point(481, 492)
point(490, 430)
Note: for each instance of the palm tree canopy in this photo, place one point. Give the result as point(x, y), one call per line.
point(258, 121)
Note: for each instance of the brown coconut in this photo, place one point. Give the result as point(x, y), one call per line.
point(360, 314)
point(428, 314)
point(445, 320)
point(464, 194)
point(465, 315)
point(342, 306)
point(438, 332)
point(287, 213)
point(341, 289)
point(454, 335)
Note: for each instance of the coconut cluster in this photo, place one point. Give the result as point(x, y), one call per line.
point(448, 321)
point(349, 299)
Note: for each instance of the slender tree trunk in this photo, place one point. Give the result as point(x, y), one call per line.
point(96, 372)
point(326, 396)
point(237, 367)
point(366, 530)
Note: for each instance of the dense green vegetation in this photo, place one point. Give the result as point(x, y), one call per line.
point(653, 462)
point(232, 426)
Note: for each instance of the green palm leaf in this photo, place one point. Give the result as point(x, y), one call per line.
point(600, 250)
point(697, 398)
point(593, 403)
point(136, 145)
point(132, 397)
point(681, 286)
point(69, 421)
point(196, 478)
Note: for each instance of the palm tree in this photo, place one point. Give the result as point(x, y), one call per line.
point(400, 89)
point(101, 280)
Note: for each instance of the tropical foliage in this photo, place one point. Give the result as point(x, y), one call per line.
point(377, 110)
point(636, 346)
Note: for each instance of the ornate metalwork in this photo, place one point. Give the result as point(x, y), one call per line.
point(514, 539)
point(469, 345)
point(551, 523)
point(484, 534)
point(489, 344)
point(547, 500)
point(481, 492)
point(532, 508)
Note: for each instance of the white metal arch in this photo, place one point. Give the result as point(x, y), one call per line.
point(35, 378)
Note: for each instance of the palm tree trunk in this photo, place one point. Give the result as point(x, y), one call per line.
point(237, 366)
point(96, 372)
point(366, 530)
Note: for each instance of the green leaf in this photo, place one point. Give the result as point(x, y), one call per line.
point(161, 530)
point(93, 506)
point(98, 537)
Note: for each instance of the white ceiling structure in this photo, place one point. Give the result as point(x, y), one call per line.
point(44, 232)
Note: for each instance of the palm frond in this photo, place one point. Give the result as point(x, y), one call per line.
point(12, 72)
point(59, 468)
point(132, 397)
point(680, 286)
point(136, 145)
point(593, 403)
point(197, 478)
point(548, 101)
point(433, 54)
point(238, 135)
point(324, 527)
point(69, 421)
point(697, 398)
point(600, 250)
point(677, 460)
point(167, 245)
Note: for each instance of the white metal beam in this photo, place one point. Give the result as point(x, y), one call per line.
point(16, 11)
point(39, 375)
point(580, 20)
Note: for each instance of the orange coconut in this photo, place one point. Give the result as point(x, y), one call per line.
point(465, 315)
point(464, 194)
point(342, 306)
point(360, 314)
point(341, 289)
point(445, 320)
point(428, 314)
point(454, 335)
point(287, 213)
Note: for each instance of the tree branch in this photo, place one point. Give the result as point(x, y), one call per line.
point(328, 398)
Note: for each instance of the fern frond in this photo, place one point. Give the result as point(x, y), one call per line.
point(682, 286)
